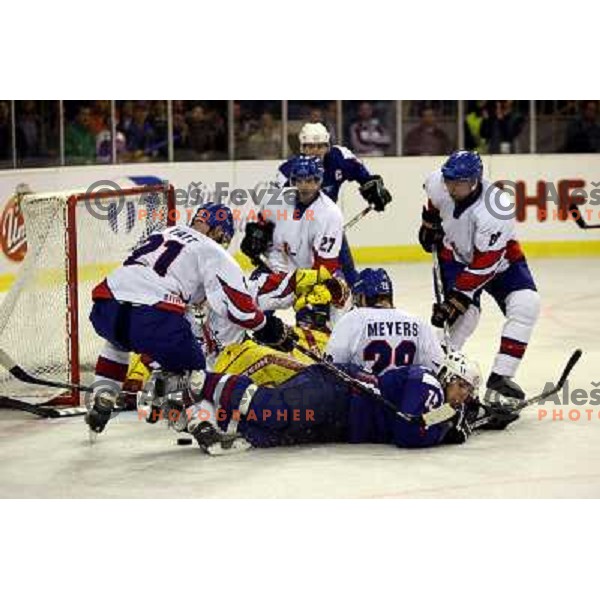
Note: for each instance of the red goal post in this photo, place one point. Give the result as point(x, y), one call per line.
point(74, 239)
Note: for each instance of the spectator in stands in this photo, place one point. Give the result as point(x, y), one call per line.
point(427, 138)
point(29, 143)
point(501, 126)
point(244, 126)
point(266, 142)
point(318, 115)
point(104, 147)
point(475, 115)
point(368, 136)
point(180, 129)
point(125, 116)
point(140, 134)
point(583, 133)
point(80, 141)
point(218, 121)
point(5, 132)
point(201, 132)
point(100, 116)
point(160, 123)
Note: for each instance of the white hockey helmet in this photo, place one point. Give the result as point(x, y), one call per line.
point(456, 364)
point(313, 133)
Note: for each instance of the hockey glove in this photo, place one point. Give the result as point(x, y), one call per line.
point(319, 295)
point(459, 432)
point(499, 418)
point(455, 305)
point(276, 334)
point(431, 232)
point(257, 239)
point(308, 280)
point(375, 193)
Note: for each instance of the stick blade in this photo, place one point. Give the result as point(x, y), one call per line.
point(6, 361)
point(569, 366)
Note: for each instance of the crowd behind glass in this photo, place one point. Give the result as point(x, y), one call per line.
point(43, 133)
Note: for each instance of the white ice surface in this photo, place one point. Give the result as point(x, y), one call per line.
point(534, 458)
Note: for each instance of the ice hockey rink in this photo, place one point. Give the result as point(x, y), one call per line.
point(536, 457)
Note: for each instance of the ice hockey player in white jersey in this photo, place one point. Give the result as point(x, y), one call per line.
point(339, 165)
point(140, 307)
point(465, 221)
point(305, 234)
point(376, 336)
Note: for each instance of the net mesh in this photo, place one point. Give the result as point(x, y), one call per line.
point(34, 316)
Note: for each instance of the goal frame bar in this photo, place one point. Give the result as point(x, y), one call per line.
point(72, 304)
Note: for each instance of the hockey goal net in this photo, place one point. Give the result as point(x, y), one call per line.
point(74, 239)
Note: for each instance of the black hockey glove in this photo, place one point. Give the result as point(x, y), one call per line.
point(461, 429)
point(276, 334)
point(455, 305)
point(431, 232)
point(499, 418)
point(375, 193)
point(257, 239)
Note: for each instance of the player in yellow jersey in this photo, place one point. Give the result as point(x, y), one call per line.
point(313, 292)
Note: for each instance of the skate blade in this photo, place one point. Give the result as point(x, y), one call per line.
point(92, 436)
point(236, 447)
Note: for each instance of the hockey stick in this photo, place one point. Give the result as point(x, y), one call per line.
point(542, 396)
point(576, 214)
point(438, 287)
point(433, 417)
point(51, 412)
point(354, 220)
point(43, 411)
point(16, 371)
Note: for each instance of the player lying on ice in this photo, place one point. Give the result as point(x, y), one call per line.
point(141, 306)
point(328, 403)
point(318, 406)
point(466, 222)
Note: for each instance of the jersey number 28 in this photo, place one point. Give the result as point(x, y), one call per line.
point(385, 356)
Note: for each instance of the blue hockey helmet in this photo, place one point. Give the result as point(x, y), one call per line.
point(373, 283)
point(463, 165)
point(216, 215)
point(305, 167)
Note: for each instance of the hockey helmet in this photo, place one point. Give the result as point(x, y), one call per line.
point(216, 215)
point(463, 165)
point(373, 283)
point(313, 133)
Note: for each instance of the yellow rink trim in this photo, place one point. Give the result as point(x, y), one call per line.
point(414, 252)
point(52, 277)
point(542, 249)
point(368, 255)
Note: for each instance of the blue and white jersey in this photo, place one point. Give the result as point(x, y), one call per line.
point(414, 391)
point(340, 165)
point(380, 339)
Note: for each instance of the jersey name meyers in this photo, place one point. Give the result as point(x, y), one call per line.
point(389, 328)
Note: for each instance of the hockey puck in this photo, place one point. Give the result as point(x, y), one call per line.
point(184, 441)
